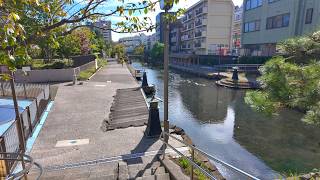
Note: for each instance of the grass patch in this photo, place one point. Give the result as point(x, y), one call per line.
point(53, 64)
point(84, 75)
point(186, 166)
point(102, 62)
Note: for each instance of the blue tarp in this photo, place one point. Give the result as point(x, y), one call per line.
point(7, 112)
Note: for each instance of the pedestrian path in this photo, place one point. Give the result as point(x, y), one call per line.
point(72, 132)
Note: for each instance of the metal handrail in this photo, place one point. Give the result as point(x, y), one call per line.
point(24, 159)
point(205, 154)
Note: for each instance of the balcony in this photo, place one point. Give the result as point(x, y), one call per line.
point(199, 45)
point(186, 37)
point(173, 39)
point(201, 11)
point(200, 34)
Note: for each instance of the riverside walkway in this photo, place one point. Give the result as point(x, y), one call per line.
point(72, 143)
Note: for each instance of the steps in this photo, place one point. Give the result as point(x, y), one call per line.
point(148, 169)
point(97, 172)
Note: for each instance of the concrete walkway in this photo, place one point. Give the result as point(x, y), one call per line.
point(72, 132)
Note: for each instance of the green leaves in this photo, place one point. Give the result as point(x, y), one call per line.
point(292, 82)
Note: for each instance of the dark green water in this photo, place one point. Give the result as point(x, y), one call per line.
point(219, 122)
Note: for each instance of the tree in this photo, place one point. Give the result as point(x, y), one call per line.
point(292, 80)
point(139, 50)
point(69, 45)
point(26, 22)
point(157, 51)
point(118, 50)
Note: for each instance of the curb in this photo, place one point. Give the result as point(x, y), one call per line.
point(94, 73)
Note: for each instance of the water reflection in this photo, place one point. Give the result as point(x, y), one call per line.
point(219, 122)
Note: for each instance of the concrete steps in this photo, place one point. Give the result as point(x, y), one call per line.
point(128, 109)
point(98, 172)
point(144, 170)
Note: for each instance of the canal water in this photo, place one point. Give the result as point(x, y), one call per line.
point(219, 122)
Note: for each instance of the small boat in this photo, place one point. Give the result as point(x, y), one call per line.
point(149, 90)
point(138, 74)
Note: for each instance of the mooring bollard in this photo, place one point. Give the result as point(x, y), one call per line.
point(144, 80)
point(154, 126)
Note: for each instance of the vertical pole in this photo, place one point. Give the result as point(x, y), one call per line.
point(192, 168)
point(16, 108)
point(25, 91)
point(166, 77)
point(2, 89)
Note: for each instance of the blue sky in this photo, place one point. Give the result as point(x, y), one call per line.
point(182, 4)
point(115, 36)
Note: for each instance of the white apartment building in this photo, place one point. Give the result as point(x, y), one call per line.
point(207, 27)
point(151, 40)
point(132, 42)
point(105, 29)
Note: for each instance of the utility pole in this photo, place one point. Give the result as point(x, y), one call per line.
point(166, 5)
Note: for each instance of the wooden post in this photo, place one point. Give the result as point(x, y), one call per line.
point(3, 163)
point(29, 119)
point(19, 122)
point(2, 89)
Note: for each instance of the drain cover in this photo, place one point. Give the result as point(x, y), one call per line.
point(73, 142)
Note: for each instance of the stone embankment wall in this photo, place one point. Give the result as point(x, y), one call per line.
point(51, 75)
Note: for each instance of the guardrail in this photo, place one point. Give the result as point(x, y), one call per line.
point(25, 90)
point(241, 67)
point(26, 162)
point(30, 117)
point(165, 135)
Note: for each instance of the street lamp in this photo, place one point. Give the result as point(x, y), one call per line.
point(166, 5)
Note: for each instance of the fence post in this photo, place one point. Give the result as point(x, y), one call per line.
point(25, 91)
point(4, 163)
point(192, 156)
point(29, 119)
point(2, 89)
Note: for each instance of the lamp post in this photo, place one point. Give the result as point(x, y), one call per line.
point(166, 5)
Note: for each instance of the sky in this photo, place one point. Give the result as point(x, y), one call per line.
point(182, 4)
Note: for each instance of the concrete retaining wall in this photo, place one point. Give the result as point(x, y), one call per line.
point(51, 75)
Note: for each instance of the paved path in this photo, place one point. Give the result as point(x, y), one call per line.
point(78, 113)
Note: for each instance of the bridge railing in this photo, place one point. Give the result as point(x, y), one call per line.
point(195, 165)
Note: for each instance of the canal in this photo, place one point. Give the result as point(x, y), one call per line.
point(219, 122)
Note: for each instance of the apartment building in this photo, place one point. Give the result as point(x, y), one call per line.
point(131, 43)
point(267, 22)
point(151, 40)
point(207, 27)
point(175, 37)
point(236, 31)
point(104, 27)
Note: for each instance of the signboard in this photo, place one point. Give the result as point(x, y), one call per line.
point(26, 68)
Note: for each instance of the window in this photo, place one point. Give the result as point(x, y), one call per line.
point(252, 26)
point(278, 21)
point(251, 4)
point(309, 16)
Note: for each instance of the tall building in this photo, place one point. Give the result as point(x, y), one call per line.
point(132, 42)
point(104, 27)
point(160, 26)
point(207, 27)
point(236, 31)
point(267, 22)
point(151, 40)
point(175, 37)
